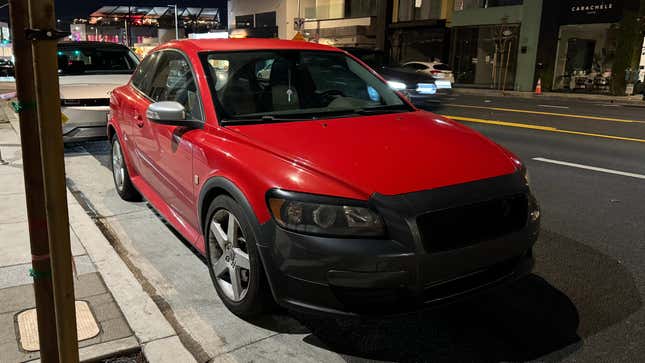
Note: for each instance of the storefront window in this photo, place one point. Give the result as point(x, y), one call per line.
point(336, 9)
point(474, 4)
point(585, 58)
point(485, 56)
point(410, 10)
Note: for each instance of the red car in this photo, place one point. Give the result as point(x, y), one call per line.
point(302, 177)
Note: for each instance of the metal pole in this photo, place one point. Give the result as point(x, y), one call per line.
point(44, 47)
point(34, 185)
point(126, 39)
point(176, 23)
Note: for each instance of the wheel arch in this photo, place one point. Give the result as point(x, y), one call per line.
point(111, 131)
point(215, 187)
point(219, 185)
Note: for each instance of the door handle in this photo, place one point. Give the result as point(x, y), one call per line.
point(139, 120)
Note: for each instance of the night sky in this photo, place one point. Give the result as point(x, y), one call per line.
point(69, 9)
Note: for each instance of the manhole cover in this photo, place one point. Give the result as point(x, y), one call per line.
point(86, 326)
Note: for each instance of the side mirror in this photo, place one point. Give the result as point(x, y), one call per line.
point(167, 113)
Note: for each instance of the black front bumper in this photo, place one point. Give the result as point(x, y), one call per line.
point(403, 272)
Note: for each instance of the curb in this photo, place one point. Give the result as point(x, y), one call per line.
point(154, 334)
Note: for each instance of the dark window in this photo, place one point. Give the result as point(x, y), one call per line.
point(416, 66)
point(410, 10)
point(359, 8)
point(441, 67)
point(244, 22)
point(474, 4)
point(174, 81)
point(265, 20)
point(79, 58)
point(139, 79)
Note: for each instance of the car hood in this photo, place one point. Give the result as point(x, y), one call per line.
point(90, 86)
point(387, 154)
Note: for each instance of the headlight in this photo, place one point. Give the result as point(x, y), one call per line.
point(327, 216)
point(397, 86)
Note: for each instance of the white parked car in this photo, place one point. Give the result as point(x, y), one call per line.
point(88, 72)
point(438, 70)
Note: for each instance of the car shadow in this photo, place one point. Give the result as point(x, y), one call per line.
point(520, 322)
point(575, 292)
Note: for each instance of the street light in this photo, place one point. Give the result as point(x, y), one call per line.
point(176, 21)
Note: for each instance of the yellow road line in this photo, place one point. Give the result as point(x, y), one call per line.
point(597, 118)
point(542, 128)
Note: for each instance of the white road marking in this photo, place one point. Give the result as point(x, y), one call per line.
point(553, 106)
point(609, 105)
point(587, 167)
point(487, 101)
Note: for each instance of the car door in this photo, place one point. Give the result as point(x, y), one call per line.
point(165, 152)
point(136, 96)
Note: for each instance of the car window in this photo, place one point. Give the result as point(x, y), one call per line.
point(441, 67)
point(415, 66)
point(173, 80)
point(140, 80)
point(291, 82)
point(76, 59)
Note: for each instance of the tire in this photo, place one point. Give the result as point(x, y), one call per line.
point(249, 295)
point(120, 175)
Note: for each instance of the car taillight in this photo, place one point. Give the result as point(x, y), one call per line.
point(435, 72)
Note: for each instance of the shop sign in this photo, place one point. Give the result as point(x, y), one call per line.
point(594, 11)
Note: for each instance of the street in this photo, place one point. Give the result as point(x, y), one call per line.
point(584, 301)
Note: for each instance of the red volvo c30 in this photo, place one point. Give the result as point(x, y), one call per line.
point(302, 177)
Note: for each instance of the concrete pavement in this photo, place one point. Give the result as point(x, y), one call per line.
point(127, 317)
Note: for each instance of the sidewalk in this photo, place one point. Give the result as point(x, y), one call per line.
point(126, 319)
point(636, 100)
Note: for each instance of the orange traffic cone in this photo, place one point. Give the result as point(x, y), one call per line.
point(538, 87)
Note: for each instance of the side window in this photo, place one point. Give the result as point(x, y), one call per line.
point(173, 80)
point(415, 66)
point(139, 79)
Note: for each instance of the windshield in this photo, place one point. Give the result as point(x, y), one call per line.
point(75, 59)
point(268, 85)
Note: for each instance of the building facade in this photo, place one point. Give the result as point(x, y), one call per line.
point(494, 43)
point(588, 45)
point(419, 30)
point(340, 23)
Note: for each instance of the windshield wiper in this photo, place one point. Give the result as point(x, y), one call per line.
point(261, 119)
point(382, 109)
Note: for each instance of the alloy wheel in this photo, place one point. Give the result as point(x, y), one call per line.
point(229, 255)
point(118, 167)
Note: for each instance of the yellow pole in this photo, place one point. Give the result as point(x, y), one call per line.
point(42, 18)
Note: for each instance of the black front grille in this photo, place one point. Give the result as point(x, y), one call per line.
point(463, 226)
point(85, 102)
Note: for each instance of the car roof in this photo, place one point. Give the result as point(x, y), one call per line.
point(205, 45)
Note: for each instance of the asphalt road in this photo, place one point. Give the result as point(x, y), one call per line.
point(584, 301)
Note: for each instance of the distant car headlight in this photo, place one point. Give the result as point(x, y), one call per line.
point(329, 216)
point(397, 86)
